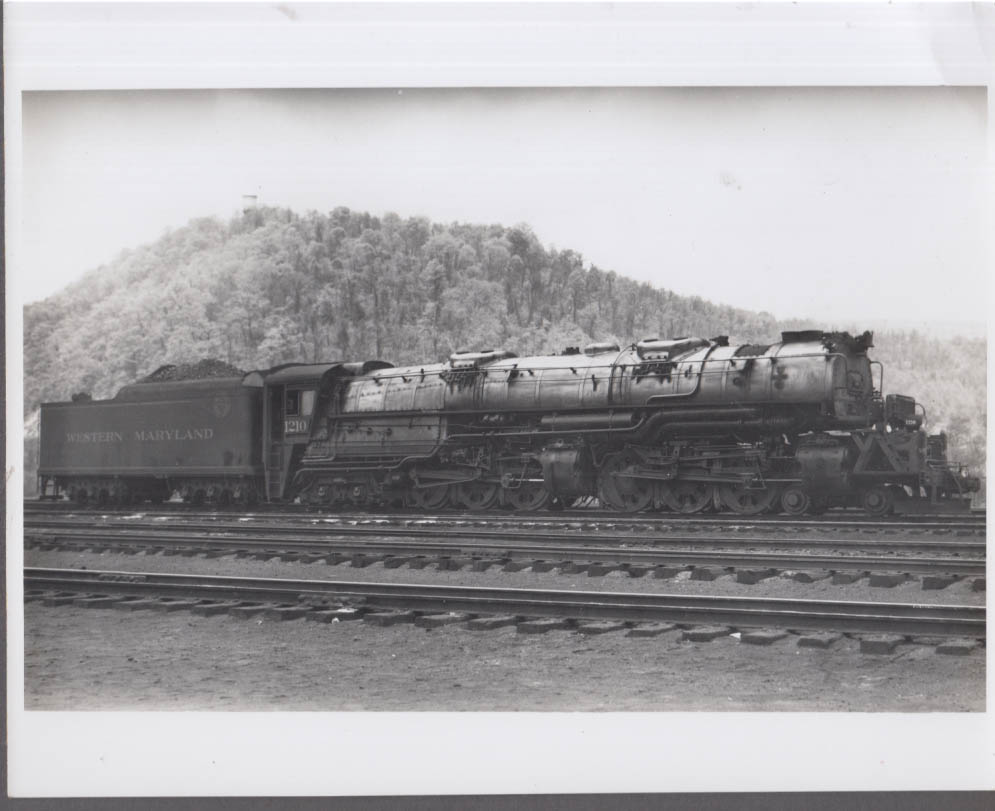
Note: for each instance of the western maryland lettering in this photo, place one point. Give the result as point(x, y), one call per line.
point(151, 435)
point(174, 434)
point(84, 437)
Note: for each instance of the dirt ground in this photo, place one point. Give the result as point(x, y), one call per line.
point(121, 660)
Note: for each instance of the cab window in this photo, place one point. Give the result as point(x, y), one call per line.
point(307, 403)
point(299, 403)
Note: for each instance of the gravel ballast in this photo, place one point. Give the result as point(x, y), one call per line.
point(123, 660)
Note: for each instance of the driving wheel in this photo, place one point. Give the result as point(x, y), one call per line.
point(477, 495)
point(748, 500)
point(527, 496)
point(618, 489)
point(429, 498)
point(687, 497)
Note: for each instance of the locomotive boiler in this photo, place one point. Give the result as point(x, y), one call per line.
point(683, 424)
point(687, 425)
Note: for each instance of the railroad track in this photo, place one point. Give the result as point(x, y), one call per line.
point(329, 597)
point(833, 521)
point(36, 528)
point(522, 550)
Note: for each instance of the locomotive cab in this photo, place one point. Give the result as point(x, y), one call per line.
point(288, 409)
point(297, 403)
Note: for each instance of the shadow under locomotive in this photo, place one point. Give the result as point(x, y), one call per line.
point(685, 425)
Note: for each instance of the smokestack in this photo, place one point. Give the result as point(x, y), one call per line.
point(248, 202)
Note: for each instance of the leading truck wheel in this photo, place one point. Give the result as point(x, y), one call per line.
point(878, 501)
point(796, 500)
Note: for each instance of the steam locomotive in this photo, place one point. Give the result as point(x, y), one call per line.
point(684, 425)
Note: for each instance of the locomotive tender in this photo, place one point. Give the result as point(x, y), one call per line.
point(684, 425)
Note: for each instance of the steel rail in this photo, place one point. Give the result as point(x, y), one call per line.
point(736, 612)
point(538, 551)
point(576, 536)
point(976, 520)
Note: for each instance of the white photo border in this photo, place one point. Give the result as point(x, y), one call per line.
point(76, 46)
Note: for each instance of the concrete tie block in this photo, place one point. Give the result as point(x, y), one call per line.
point(887, 580)
point(212, 609)
point(490, 623)
point(647, 629)
point(334, 615)
point(978, 584)
point(136, 605)
point(599, 569)
point(516, 565)
point(592, 628)
point(938, 581)
point(285, 612)
point(707, 573)
point(751, 577)
point(572, 567)
point(418, 563)
point(543, 566)
point(666, 572)
point(483, 565)
point(387, 618)
point(244, 611)
point(883, 644)
point(845, 578)
point(634, 570)
point(59, 599)
point(166, 606)
point(705, 633)
point(542, 626)
point(818, 640)
point(933, 641)
point(810, 575)
point(96, 602)
point(957, 647)
point(362, 561)
point(765, 637)
point(440, 620)
point(395, 562)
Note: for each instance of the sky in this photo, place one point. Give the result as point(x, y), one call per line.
point(845, 205)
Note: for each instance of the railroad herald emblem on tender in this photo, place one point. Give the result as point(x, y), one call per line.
point(222, 406)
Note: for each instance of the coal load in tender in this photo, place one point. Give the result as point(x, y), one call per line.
point(202, 370)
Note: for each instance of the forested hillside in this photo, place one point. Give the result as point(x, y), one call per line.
point(272, 286)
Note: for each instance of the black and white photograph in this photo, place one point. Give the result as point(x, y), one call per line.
point(511, 402)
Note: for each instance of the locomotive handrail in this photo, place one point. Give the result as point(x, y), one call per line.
point(405, 371)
